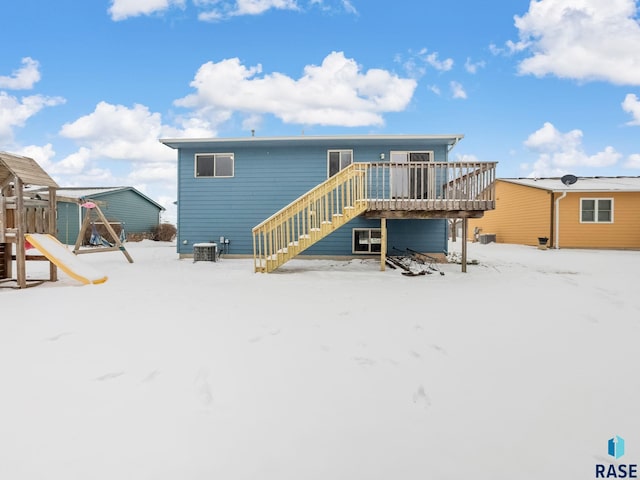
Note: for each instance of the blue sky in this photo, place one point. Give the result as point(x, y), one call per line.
point(544, 88)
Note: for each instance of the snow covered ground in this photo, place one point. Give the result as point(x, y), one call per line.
point(521, 368)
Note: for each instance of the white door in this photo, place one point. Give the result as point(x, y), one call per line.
point(399, 175)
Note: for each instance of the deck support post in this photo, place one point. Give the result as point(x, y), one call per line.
point(464, 244)
point(383, 243)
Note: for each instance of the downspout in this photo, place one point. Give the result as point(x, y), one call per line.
point(557, 232)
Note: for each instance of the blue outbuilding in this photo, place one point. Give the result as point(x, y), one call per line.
point(135, 212)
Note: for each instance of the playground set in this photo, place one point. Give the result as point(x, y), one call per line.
point(28, 221)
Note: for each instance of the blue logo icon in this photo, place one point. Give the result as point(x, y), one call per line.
point(616, 447)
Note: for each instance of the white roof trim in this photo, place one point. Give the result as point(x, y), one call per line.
point(583, 185)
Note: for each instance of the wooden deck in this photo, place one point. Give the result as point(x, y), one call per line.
point(408, 208)
point(381, 190)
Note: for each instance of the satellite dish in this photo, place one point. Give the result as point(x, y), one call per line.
point(569, 179)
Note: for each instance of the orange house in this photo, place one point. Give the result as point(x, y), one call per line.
point(591, 212)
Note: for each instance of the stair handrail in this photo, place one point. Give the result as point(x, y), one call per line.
point(310, 217)
point(345, 174)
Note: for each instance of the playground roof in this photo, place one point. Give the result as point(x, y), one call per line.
point(25, 168)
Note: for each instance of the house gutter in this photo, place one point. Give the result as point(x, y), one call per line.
point(557, 232)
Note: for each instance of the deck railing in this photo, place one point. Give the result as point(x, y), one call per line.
point(431, 185)
point(361, 187)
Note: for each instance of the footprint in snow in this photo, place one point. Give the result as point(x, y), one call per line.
point(421, 398)
point(203, 389)
point(58, 337)
point(109, 376)
point(151, 377)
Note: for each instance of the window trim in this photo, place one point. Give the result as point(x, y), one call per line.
point(363, 229)
point(214, 155)
point(341, 151)
point(596, 209)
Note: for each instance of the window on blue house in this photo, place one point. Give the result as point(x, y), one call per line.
point(214, 165)
point(596, 210)
point(366, 240)
point(339, 159)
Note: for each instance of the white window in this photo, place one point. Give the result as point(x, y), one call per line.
point(596, 210)
point(337, 160)
point(366, 240)
point(214, 165)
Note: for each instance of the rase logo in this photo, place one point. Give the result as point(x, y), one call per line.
point(615, 448)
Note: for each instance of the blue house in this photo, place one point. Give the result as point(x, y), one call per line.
point(277, 197)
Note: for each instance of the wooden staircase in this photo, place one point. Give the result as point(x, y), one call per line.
point(310, 218)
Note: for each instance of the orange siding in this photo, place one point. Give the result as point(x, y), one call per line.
point(624, 232)
point(522, 215)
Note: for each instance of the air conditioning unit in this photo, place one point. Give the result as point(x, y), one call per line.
point(204, 252)
point(487, 238)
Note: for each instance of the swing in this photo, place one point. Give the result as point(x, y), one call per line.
point(96, 239)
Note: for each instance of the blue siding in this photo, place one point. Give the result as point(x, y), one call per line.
point(68, 222)
point(136, 212)
point(267, 178)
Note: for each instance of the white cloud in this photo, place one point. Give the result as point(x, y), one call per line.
point(348, 6)
point(581, 39)
point(435, 89)
point(335, 93)
point(24, 78)
point(159, 172)
point(466, 157)
point(416, 64)
point(457, 90)
point(131, 137)
point(73, 164)
point(15, 112)
point(120, 133)
point(215, 10)
point(631, 105)
point(41, 154)
point(256, 7)
point(440, 65)
point(123, 9)
point(633, 161)
point(472, 67)
point(558, 152)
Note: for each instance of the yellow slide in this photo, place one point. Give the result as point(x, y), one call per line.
point(64, 259)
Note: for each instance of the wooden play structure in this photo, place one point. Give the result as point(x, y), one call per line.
point(21, 215)
point(93, 214)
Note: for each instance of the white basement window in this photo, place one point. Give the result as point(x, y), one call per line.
point(366, 240)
